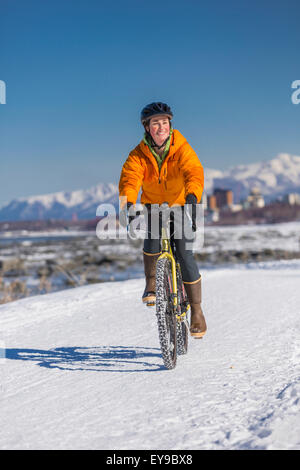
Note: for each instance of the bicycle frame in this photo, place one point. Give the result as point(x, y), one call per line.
point(167, 253)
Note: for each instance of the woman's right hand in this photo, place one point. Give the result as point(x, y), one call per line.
point(124, 218)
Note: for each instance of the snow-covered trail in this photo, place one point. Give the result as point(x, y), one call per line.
point(83, 369)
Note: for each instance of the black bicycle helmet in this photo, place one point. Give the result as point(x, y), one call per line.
point(154, 109)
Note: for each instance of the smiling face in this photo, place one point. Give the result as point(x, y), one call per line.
point(159, 128)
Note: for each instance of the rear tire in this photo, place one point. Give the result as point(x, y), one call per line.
point(166, 319)
point(182, 330)
point(182, 338)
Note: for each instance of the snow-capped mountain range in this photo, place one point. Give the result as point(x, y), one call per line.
point(61, 205)
point(274, 178)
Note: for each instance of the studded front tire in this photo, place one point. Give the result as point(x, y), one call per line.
point(166, 319)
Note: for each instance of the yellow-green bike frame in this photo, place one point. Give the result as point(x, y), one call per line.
point(167, 253)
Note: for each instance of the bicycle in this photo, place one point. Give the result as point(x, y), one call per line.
point(171, 300)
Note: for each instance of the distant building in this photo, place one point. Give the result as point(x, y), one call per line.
point(212, 202)
point(212, 216)
point(204, 201)
point(224, 197)
point(236, 207)
point(292, 199)
point(255, 199)
point(220, 198)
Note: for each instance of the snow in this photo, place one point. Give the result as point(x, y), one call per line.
point(44, 234)
point(73, 198)
point(83, 368)
point(280, 236)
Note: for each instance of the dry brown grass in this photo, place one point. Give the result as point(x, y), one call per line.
point(45, 285)
point(15, 290)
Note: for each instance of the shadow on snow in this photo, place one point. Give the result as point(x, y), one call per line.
point(101, 358)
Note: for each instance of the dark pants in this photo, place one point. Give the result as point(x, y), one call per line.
point(179, 238)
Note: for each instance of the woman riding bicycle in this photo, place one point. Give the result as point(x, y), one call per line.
point(168, 170)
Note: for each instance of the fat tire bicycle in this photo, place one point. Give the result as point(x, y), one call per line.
point(171, 302)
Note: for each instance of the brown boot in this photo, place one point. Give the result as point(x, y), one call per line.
point(198, 325)
point(150, 273)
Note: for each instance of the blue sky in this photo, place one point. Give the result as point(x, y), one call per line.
point(78, 73)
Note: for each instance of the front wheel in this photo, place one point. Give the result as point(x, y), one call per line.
point(166, 319)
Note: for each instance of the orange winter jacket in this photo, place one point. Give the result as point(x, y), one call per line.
point(181, 173)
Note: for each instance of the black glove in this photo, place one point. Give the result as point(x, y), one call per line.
point(192, 200)
point(124, 218)
point(130, 217)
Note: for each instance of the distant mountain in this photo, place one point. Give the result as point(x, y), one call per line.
point(274, 178)
point(81, 204)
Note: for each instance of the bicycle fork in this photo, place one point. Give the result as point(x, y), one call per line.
point(166, 254)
